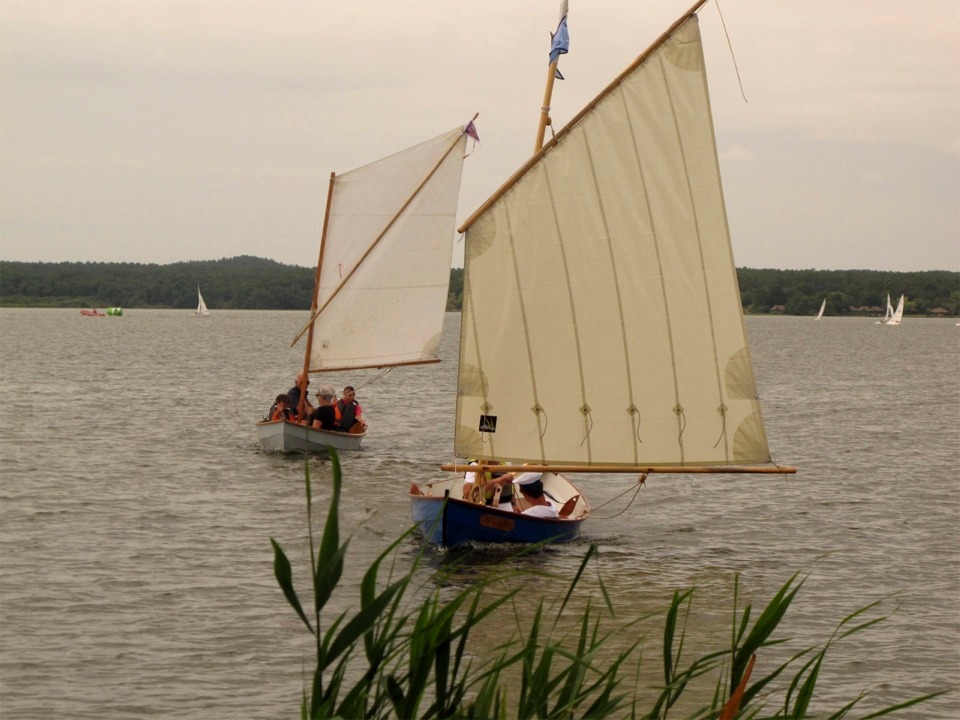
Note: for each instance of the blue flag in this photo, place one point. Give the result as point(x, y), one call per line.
point(561, 41)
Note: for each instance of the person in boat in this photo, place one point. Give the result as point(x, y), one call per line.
point(530, 485)
point(280, 409)
point(491, 482)
point(349, 413)
point(300, 387)
point(324, 417)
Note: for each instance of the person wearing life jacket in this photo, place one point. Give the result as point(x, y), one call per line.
point(280, 409)
point(348, 412)
point(324, 417)
point(491, 481)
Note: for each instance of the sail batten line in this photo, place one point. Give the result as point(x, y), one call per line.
point(695, 217)
point(573, 305)
point(617, 291)
point(316, 313)
point(541, 430)
point(560, 134)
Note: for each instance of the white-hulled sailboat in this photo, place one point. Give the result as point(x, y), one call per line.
point(382, 273)
point(888, 313)
point(201, 305)
point(823, 306)
point(897, 317)
point(602, 329)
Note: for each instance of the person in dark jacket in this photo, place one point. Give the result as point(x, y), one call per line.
point(300, 387)
point(324, 417)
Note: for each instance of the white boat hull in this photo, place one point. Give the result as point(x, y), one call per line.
point(288, 437)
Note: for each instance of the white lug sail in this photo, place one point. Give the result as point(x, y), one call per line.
point(602, 320)
point(385, 264)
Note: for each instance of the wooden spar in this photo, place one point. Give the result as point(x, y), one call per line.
point(545, 108)
point(678, 469)
point(316, 292)
point(642, 58)
point(315, 311)
point(374, 366)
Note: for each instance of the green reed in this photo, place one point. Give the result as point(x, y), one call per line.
point(399, 657)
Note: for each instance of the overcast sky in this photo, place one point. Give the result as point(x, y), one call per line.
point(167, 130)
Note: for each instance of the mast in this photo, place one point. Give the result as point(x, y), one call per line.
point(559, 47)
point(316, 292)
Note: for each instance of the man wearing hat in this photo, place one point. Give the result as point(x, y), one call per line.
point(530, 485)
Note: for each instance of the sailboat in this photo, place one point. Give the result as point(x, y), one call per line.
point(888, 314)
point(897, 317)
point(201, 305)
point(382, 273)
point(602, 330)
point(823, 307)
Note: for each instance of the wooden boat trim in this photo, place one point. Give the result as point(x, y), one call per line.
point(375, 367)
point(713, 469)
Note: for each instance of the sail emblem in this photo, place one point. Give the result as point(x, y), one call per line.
point(488, 423)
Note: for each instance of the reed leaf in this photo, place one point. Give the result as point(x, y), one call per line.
point(284, 574)
point(417, 660)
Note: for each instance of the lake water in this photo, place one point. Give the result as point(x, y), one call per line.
point(136, 576)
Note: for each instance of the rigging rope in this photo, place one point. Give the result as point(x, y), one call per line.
point(374, 379)
point(636, 491)
point(732, 56)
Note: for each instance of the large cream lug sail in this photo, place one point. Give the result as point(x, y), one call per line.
point(602, 320)
point(385, 269)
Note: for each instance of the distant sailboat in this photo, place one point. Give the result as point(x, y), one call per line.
point(201, 305)
point(888, 314)
point(893, 317)
point(822, 308)
point(897, 316)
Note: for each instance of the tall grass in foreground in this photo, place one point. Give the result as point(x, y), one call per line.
point(395, 657)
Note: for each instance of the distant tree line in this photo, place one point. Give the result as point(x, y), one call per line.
point(250, 283)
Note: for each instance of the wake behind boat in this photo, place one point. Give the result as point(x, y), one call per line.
point(382, 273)
point(602, 329)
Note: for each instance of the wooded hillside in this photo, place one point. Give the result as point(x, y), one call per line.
point(251, 283)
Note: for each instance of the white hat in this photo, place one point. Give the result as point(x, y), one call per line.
point(527, 478)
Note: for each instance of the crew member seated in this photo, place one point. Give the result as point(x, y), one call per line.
point(491, 482)
point(530, 485)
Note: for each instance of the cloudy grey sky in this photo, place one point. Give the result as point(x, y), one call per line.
point(166, 130)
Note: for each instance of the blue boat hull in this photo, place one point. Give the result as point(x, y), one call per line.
point(450, 522)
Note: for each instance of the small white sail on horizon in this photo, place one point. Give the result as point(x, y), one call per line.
point(201, 305)
point(888, 314)
point(823, 307)
point(897, 317)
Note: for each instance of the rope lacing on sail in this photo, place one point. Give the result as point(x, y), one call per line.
point(635, 416)
point(723, 423)
point(540, 413)
point(588, 421)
